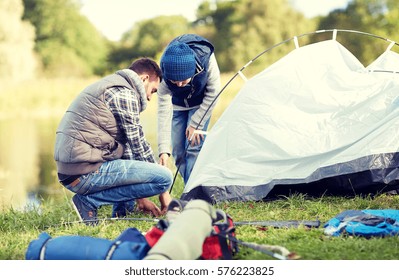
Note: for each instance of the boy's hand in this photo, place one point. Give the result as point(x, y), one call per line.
point(164, 199)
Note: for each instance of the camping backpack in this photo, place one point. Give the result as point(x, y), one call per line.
point(220, 245)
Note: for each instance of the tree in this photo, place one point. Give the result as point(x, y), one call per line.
point(17, 59)
point(245, 28)
point(377, 17)
point(147, 38)
point(68, 44)
point(215, 23)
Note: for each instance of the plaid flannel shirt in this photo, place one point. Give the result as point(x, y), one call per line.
point(124, 105)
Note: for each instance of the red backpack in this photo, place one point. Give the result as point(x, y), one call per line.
point(220, 245)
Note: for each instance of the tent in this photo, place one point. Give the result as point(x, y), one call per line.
point(316, 121)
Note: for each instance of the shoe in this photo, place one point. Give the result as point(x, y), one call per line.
point(122, 209)
point(86, 214)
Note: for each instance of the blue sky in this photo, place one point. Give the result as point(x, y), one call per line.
point(114, 17)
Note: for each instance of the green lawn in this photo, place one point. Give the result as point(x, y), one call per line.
point(57, 218)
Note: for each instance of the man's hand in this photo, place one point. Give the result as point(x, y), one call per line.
point(164, 159)
point(147, 206)
point(164, 199)
point(195, 138)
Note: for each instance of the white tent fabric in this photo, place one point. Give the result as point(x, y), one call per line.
point(316, 113)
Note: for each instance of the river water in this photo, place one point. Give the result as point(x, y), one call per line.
point(27, 168)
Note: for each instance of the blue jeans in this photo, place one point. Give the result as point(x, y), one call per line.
point(120, 182)
point(184, 161)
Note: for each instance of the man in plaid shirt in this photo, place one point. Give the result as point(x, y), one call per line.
point(101, 152)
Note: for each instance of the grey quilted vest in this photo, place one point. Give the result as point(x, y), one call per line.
point(88, 134)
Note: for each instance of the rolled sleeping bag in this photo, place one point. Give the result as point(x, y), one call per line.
point(130, 245)
point(185, 236)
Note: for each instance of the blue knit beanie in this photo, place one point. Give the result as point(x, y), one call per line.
point(178, 62)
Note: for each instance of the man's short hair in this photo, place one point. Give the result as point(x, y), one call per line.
point(146, 65)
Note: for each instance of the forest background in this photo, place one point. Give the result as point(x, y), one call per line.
point(51, 38)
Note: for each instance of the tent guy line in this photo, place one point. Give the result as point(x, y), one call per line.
point(275, 224)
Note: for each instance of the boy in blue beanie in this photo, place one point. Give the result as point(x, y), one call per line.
point(190, 85)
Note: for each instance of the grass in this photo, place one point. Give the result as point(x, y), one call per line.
point(57, 218)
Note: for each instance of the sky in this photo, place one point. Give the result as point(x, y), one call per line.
point(115, 17)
